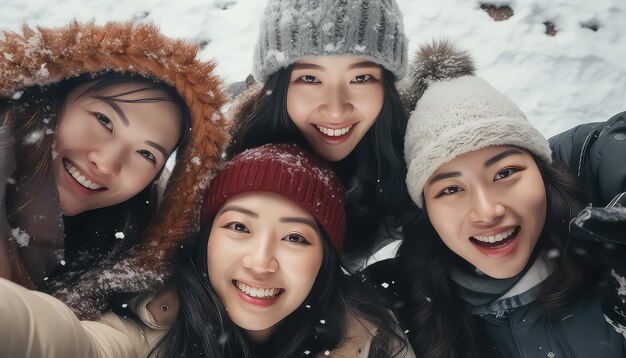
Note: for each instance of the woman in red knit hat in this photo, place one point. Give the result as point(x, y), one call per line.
point(261, 279)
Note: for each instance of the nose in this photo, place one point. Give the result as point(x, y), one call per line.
point(261, 258)
point(484, 206)
point(108, 161)
point(336, 102)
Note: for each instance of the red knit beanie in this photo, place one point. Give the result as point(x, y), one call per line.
point(286, 170)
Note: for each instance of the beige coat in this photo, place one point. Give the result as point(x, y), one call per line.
point(35, 325)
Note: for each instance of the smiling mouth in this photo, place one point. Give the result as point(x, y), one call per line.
point(496, 241)
point(258, 293)
point(80, 178)
point(334, 132)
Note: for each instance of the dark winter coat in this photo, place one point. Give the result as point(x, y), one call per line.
point(581, 331)
point(595, 153)
point(525, 332)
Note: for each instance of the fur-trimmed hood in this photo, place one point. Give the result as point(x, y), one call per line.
point(43, 56)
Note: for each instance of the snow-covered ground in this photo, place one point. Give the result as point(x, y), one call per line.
point(577, 76)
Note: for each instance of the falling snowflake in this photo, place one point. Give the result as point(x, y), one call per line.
point(119, 235)
point(21, 237)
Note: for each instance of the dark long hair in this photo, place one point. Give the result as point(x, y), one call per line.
point(38, 110)
point(373, 173)
point(204, 329)
point(439, 325)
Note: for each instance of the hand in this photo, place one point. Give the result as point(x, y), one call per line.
point(607, 225)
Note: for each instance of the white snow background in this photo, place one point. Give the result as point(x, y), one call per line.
point(577, 76)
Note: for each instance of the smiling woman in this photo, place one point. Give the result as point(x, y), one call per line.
point(92, 113)
point(112, 141)
point(489, 270)
point(327, 73)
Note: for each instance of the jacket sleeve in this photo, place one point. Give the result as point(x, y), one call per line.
point(35, 324)
point(595, 153)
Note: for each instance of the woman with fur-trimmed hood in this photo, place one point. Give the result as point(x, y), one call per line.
point(90, 115)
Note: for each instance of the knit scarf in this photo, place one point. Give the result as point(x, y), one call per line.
point(486, 295)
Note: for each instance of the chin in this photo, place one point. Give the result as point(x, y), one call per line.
point(503, 274)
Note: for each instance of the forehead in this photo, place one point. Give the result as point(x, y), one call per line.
point(126, 90)
point(476, 160)
point(260, 201)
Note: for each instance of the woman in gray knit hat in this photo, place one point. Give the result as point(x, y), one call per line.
point(489, 270)
point(328, 70)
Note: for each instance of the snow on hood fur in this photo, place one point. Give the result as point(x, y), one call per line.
point(44, 56)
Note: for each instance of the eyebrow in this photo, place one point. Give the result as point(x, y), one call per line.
point(157, 146)
point(116, 108)
point(305, 221)
point(306, 66)
point(238, 209)
point(312, 66)
point(507, 153)
point(364, 64)
point(443, 176)
point(489, 162)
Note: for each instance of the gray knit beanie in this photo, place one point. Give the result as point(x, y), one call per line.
point(457, 116)
point(294, 29)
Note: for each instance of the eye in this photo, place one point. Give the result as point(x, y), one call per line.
point(505, 173)
point(104, 120)
point(148, 155)
point(449, 191)
point(361, 78)
point(238, 227)
point(309, 79)
point(296, 239)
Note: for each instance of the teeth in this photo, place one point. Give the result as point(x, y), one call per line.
point(495, 238)
point(256, 292)
point(80, 178)
point(333, 132)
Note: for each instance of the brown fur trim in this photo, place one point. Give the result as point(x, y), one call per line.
point(435, 61)
point(47, 55)
point(242, 106)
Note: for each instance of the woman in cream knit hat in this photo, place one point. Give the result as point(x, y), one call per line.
point(489, 270)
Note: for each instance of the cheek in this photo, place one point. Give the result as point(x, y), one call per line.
point(302, 270)
point(370, 104)
point(219, 257)
point(136, 177)
point(298, 108)
point(536, 202)
point(448, 223)
point(72, 131)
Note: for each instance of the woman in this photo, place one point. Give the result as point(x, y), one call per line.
point(489, 270)
point(329, 84)
point(262, 279)
point(95, 112)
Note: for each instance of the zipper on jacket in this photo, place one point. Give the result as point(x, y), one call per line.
point(556, 329)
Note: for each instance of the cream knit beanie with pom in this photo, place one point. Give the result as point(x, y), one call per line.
point(457, 116)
